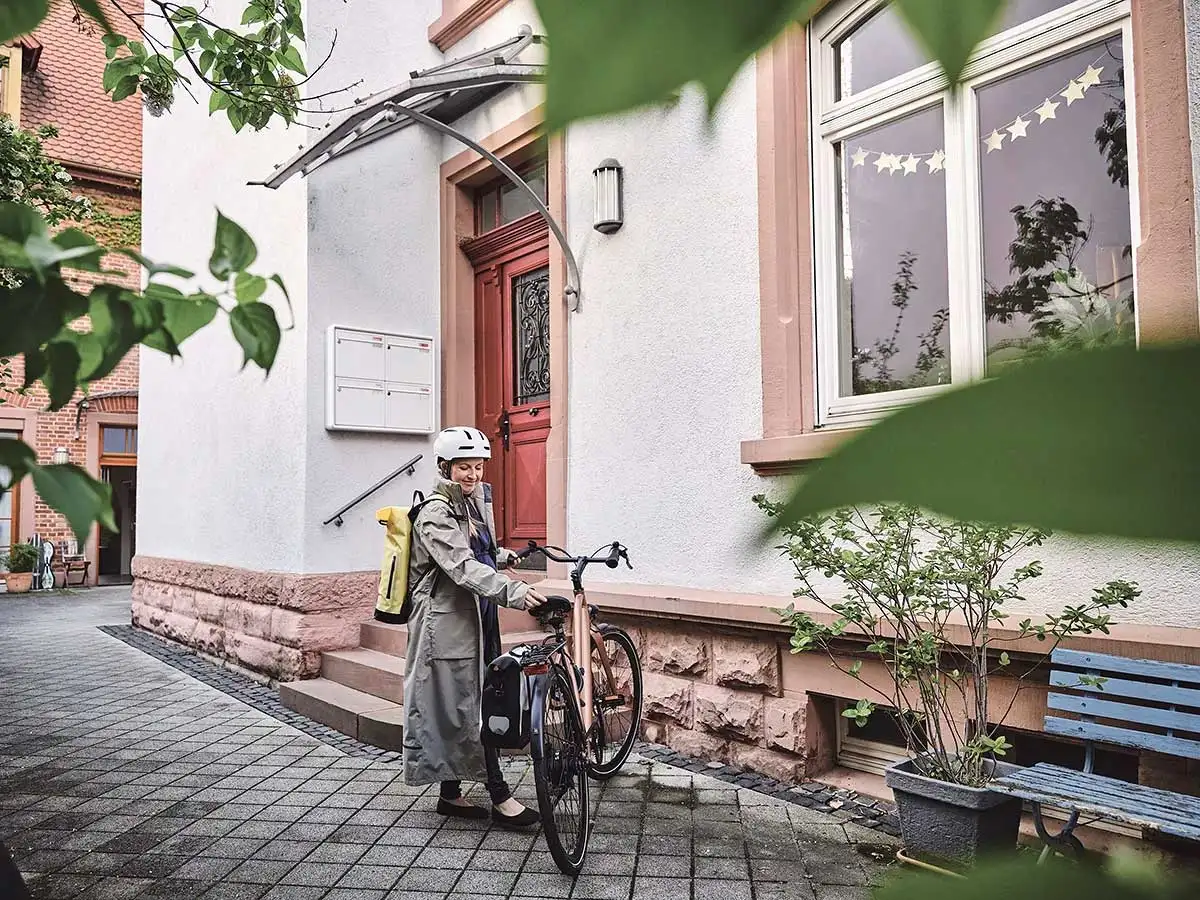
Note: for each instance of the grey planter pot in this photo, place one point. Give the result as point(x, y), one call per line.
point(950, 822)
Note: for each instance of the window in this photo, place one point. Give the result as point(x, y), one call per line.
point(9, 502)
point(118, 440)
point(873, 746)
point(956, 234)
point(501, 203)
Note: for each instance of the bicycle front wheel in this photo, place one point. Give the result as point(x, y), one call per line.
point(617, 686)
point(559, 749)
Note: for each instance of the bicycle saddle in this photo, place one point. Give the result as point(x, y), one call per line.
point(554, 607)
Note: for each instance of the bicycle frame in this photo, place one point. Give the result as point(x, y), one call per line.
point(582, 631)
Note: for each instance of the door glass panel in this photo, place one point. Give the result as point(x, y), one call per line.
point(1057, 254)
point(531, 337)
point(894, 303)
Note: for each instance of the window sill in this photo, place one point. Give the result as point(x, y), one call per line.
point(459, 18)
point(781, 455)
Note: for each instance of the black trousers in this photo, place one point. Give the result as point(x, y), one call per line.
point(497, 787)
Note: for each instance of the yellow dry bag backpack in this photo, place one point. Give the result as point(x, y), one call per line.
point(394, 605)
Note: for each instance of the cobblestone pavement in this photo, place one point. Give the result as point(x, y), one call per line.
point(121, 776)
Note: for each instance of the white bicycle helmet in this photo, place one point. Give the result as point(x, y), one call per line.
point(462, 443)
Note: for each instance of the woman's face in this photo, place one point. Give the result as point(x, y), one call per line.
point(467, 472)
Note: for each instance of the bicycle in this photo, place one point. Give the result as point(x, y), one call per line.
point(577, 731)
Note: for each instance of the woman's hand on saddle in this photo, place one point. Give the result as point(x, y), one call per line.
point(533, 599)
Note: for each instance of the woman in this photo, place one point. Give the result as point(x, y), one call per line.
point(454, 632)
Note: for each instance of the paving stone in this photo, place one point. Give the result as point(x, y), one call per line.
point(361, 877)
point(648, 888)
point(492, 884)
point(420, 879)
point(672, 866)
point(705, 889)
point(543, 885)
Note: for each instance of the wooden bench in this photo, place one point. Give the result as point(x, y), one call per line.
point(1140, 703)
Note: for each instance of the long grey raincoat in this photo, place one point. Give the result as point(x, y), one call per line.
point(444, 670)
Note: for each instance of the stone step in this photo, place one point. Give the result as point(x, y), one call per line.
point(341, 708)
point(366, 670)
point(393, 639)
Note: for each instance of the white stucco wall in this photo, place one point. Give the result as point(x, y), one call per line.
point(221, 451)
point(374, 261)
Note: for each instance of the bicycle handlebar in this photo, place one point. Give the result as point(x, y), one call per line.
point(612, 559)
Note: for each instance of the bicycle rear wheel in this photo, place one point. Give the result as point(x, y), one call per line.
point(559, 749)
point(618, 691)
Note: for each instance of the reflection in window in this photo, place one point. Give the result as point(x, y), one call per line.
point(894, 315)
point(118, 441)
point(1057, 253)
point(882, 47)
point(501, 202)
point(8, 503)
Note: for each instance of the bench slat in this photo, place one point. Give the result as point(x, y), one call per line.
point(1133, 804)
point(1145, 668)
point(1153, 803)
point(1090, 731)
point(1137, 690)
point(1125, 712)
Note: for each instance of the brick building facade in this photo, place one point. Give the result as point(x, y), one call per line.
point(100, 144)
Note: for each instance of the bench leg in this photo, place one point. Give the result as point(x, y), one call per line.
point(1064, 842)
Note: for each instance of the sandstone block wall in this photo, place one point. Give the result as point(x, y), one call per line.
point(271, 623)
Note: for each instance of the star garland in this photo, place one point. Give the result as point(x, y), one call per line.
point(1015, 130)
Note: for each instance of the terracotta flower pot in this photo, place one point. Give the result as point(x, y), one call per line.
point(18, 582)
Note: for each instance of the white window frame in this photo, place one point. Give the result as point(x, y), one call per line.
point(1022, 47)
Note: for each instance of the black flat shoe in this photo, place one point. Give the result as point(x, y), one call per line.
point(524, 819)
point(457, 811)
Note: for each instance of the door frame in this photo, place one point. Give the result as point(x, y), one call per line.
point(96, 421)
point(460, 176)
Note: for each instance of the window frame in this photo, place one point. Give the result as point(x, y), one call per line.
point(1020, 48)
point(496, 189)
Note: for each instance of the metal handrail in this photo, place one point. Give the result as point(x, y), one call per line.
point(410, 467)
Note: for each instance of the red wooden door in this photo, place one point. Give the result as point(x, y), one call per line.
point(512, 295)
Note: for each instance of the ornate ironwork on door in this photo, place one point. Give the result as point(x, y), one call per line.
point(531, 336)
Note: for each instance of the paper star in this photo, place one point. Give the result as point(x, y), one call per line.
point(883, 161)
point(910, 165)
point(937, 162)
point(1091, 77)
point(1073, 92)
point(859, 156)
point(994, 141)
point(1046, 110)
point(895, 165)
point(1017, 128)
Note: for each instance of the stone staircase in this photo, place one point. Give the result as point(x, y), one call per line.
point(361, 689)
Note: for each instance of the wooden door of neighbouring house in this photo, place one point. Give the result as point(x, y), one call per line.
point(512, 371)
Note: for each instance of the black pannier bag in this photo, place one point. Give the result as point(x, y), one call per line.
point(505, 705)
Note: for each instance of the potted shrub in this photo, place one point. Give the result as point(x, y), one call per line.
point(20, 561)
point(924, 598)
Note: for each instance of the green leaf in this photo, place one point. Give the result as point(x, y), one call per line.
point(78, 496)
point(21, 17)
point(949, 30)
point(1004, 658)
point(288, 297)
point(290, 59)
point(81, 248)
point(206, 60)
point(18, 457)
point(249, 288)
point(61, 377)
point(152, 268)
point(254, 13)
point(233, 250)
point(217, 101)
point(621, 54)
point(1094, 443)
point(126, 87)
point(256, 330)
point(184, 316)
